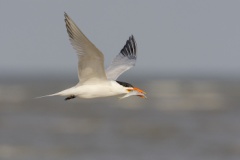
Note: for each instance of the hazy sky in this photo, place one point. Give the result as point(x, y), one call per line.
point(173, 36)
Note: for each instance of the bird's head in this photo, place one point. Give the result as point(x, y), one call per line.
point(132, 91)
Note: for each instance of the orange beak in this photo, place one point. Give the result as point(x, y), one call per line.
point(139, 90)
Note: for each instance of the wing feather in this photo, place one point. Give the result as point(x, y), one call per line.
point(90, 59)
point(125, 60)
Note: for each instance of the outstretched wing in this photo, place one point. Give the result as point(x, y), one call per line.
point(125, 60)
point(90, 59)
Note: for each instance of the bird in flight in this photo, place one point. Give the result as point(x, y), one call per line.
point(94, 80)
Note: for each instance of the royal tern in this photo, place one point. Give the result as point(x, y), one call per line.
point(94, 80)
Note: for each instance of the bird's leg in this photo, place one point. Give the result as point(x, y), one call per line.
point(70, 97)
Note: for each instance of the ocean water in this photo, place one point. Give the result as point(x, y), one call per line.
point(182, 119)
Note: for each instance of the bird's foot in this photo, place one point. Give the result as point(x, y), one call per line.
point(70, 97)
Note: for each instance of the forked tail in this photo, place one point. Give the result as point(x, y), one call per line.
point(67, 92)
point(50, 95)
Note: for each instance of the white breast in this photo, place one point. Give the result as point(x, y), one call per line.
point(105, 89)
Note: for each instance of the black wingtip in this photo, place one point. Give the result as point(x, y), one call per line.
point(130, 48)
point(65, 14)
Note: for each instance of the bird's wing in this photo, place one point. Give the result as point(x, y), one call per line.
point(125, 60)
point(90, 59)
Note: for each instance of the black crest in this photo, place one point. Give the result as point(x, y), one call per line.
point(125, 84)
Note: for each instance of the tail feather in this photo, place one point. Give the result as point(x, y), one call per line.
point(67, 92)
point(50, 95)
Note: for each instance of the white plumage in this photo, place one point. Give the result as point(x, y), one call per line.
point(93, 80)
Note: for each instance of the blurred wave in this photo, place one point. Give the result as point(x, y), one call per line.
point(182, 118)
